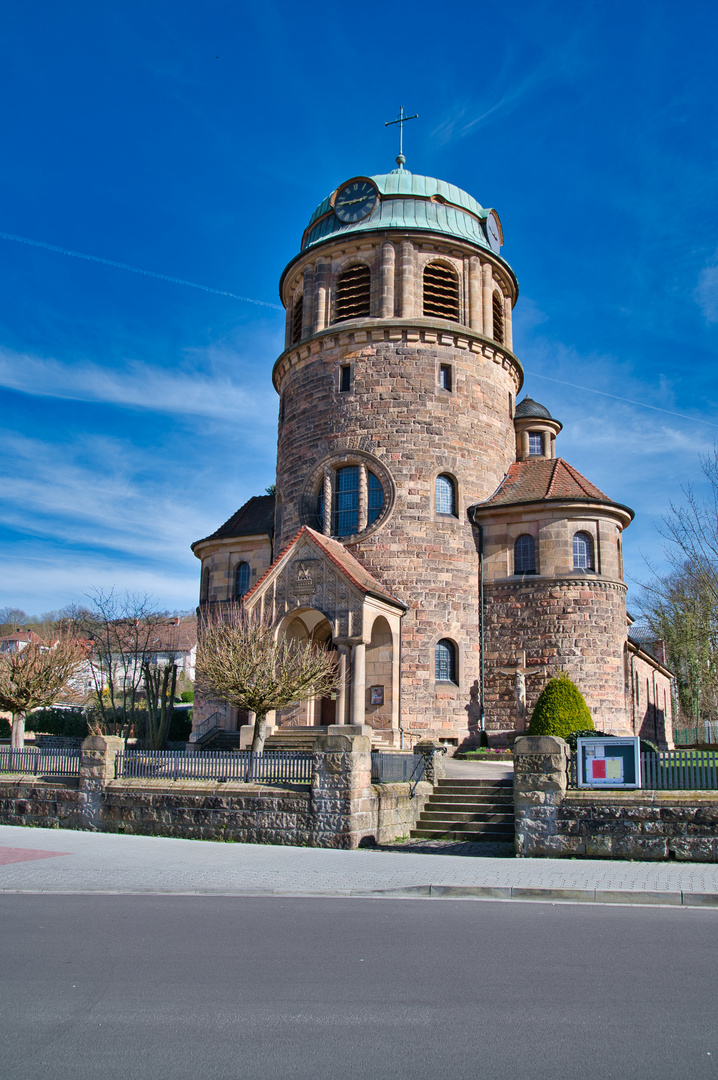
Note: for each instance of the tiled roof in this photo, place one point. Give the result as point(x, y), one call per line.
point(347, 563)
point(544, 480)
point(255, 517)
point(29, 637)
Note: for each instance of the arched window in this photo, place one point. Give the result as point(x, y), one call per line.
point(297, 318)
point(525, 555)
point(582, 551)
point(441, 292)
point(498, 308)
point(445, 661)
point(241, 580)
point(353, 293)
point(355, 505)
point(375, 498)
point(445, 495)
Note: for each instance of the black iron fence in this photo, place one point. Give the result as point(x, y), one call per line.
point(272, 766)
point(671, 770)
point(40, 762)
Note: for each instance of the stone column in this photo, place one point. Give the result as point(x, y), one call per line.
point(97, 768)
point(342, 797)
point(546, 443)
point(388, 267)
point(524, 444)
point(436, 765)
point(341, 714)
point(288, 320)
point(321, 281)
point(487, 287)
point(358, 682)
point(408, 275)
point(508, 329)
point(476, 312)
point(308, 302)
point(328, 494)
point(363, 497)
point(540, 782)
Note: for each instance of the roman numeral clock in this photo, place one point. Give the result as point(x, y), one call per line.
point(355, 200)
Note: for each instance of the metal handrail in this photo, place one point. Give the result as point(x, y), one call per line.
point(419, 770)
point(204, 729)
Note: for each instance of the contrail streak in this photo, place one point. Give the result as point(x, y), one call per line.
point(136, 270)
point(617, 397)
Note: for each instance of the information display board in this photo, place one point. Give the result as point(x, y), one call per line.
point(608, 762)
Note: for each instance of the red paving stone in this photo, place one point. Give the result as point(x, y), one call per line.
point(19, 854)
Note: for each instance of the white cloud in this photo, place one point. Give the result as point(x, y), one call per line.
point(139, 386)
point(706, 293)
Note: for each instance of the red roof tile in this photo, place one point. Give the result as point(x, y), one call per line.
point(347, 563)
point(544, 480)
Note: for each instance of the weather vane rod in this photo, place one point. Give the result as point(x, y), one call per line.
point(401, 120)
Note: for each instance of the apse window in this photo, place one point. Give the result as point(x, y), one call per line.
point(375, 498)
point(445, 496)
point(525, 555)
point(582, 551)
point(441, 292)
point(445, 380)
point(353, 293)
point(535, 444)
point(355, 505)
point(498, 310)
point(345, 378)
point(241, 580)
point(445, 661)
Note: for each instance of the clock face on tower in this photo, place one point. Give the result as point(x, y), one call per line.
point(355, 200)
point(492, 231)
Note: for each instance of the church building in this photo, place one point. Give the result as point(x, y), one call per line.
point(422, 524)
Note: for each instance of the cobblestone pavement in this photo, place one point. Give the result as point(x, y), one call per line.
point(101, 863)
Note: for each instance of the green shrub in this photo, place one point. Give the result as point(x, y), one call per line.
point(4, 728)
point(58, 722)
point(187, 695)
point(560, 710)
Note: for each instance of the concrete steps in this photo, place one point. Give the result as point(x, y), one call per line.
point(474, 810)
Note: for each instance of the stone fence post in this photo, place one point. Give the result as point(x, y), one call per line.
point(97, 766)
point(341, 788)
point(436, 766)
point(540, 781)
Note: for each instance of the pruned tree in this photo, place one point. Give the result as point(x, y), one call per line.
point(32, 677)
point(160, 686)
point(241, 660)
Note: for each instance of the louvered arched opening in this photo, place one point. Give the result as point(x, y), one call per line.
point(498, 306)
point(297, 318)
point(353, 293)
point(441, 292)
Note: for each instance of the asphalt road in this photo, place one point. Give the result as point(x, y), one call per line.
point(213, 988)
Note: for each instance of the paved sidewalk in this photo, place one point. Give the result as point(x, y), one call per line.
point(62, 861)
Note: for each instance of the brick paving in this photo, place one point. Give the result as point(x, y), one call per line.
point(108, 863)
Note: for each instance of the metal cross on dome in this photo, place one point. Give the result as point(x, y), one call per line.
point(401, 120)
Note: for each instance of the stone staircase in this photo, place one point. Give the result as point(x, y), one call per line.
point(474, 810)
point(223, 740)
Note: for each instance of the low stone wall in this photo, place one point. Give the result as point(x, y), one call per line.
point(341, 809)
point(553, 820)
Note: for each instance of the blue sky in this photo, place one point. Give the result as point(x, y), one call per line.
point(193, 140)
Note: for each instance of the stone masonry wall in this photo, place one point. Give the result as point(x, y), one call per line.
point(575, 624)
point(341, 810)
point(552, 820)
point(417, 431)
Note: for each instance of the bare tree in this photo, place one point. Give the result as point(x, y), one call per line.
point(122, 628)
point(32, 677)
point(240, 659)
point(681, 605)
point(160, 686)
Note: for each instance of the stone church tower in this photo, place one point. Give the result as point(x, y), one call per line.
point(420, 514)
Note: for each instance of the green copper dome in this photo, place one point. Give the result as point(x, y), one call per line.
point(407, 202)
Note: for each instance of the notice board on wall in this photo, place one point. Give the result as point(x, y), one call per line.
point(608, 762)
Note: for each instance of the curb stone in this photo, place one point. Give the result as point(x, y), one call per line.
point(433, 892)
